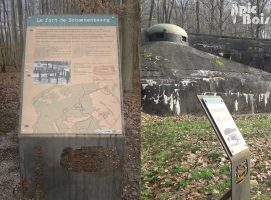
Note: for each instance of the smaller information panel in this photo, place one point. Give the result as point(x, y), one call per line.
point(222, 118)
point(71, 82)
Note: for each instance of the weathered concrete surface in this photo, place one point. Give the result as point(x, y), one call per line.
point(45, 174)
point(172, 75)
point(253, 52)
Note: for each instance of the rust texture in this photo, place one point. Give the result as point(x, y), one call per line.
point(241, 171)
point(24, 188)
point(39, 173)
point(90, 159)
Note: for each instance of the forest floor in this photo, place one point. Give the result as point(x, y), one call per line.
point(181, 157)
point(9, 153)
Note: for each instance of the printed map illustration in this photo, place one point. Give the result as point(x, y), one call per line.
point(77, 109)
point(81, 108)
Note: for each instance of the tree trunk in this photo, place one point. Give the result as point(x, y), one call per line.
point(151, 13)
point(158, 11)
point(9, 38)
point(130, 38)
point(2, 43)
point(130, 27)
point(170, 12)
point(258, 26)
point(14, 32)
point(5, 35)
point(47, 7)
point(221, 10)
point(21, 19)
point(164, 13)
point(197, 14)
point(212, 17)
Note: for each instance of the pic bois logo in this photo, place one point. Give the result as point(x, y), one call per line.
point(248, 14)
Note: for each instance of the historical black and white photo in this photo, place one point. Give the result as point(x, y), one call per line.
point(56, 72)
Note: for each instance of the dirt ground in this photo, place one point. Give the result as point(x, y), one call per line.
point(9, 166)
point(9, 152)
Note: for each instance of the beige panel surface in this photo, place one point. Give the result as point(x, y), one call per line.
point(71, 81)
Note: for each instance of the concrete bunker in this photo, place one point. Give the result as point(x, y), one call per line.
point(167, 32)
point(173, 74)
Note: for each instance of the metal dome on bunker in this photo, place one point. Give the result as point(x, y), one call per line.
point(167, 32)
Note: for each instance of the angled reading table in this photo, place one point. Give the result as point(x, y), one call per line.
point(233, 143)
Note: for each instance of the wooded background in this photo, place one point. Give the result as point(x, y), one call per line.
point(206, 16)
point(13, 14)
point(195, 16)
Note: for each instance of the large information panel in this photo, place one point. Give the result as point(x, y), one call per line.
point(225, 124)
point(71, 76)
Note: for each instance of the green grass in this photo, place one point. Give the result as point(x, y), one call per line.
point(178, 169)
point(195, 148)
point(181, 184)
point(214, 155)
point(224, 169)
point(268, 182)
point(254, 127)
point(204, 173)
point(177, 155)
point(223, 185)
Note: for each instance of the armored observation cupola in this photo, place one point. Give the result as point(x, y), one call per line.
point(167, 32)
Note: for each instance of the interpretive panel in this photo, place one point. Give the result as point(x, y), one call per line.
point(225, 124)
point(71, 82)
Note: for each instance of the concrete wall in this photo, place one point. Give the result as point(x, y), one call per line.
point(175, 99)
point(172, 76)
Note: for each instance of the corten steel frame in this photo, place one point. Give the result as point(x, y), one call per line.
point(240, 163)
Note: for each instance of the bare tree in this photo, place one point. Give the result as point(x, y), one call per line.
point(212, 16)
point(200, 16)
point(182, 10)
point(261, 8)
point(158, 12)
point(130, 53)
point(3, 41)
point(14, 32)
point(197, 14)
point(151, 13)
point(221, 10)
point(170, 9)
point(21, 19)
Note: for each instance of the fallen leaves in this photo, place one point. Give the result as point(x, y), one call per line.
point(192, 163)
point(9, 90)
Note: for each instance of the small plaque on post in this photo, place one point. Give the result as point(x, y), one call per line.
point(225, 124)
